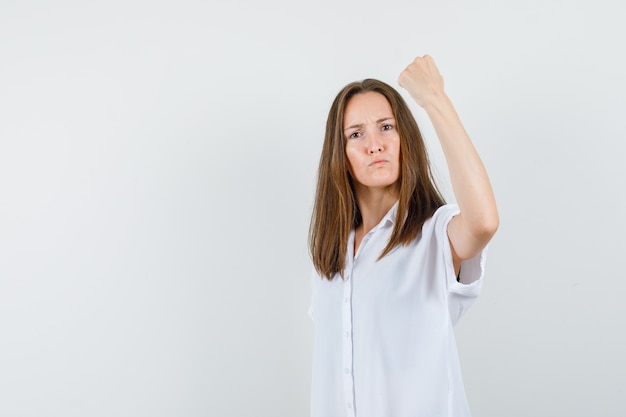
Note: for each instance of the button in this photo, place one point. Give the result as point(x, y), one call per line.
point(345, 300)
point(346, 371)
point(347, 334)
point(349, 406)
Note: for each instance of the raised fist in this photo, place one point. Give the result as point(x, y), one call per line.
point(422, 80)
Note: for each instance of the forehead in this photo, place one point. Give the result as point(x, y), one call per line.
point(364, 107)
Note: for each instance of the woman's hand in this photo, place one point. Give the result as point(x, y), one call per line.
point(422, 80)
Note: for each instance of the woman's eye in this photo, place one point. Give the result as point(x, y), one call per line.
point(355, 135)
point(387, 127)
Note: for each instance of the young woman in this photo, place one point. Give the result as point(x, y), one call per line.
point(395, 266)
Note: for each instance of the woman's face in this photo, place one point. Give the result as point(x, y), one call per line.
point(372, 141)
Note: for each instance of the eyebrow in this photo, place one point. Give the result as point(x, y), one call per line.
point(362, 124)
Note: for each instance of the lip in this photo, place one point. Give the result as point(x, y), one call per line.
point(378, 162)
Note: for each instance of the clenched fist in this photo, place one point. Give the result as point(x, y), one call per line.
point(422, 80)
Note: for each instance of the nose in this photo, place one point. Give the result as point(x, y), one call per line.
point(374, 144)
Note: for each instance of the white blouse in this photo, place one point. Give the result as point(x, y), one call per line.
point(384, 339)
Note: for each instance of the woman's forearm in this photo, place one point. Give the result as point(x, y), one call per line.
point(469, 178)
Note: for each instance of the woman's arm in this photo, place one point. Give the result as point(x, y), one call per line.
point(471, 230)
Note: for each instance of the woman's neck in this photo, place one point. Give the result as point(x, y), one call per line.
point(374, 204)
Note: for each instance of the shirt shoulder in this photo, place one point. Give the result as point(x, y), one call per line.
point(443, 215)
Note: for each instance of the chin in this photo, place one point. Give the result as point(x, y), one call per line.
point(382, 184)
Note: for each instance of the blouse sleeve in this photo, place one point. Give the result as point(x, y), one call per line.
point(315, 284)
point(462, 292)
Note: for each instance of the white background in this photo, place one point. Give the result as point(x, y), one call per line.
point(157, 171)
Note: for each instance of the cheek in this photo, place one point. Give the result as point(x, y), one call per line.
point(351, 158)
point(398, 151)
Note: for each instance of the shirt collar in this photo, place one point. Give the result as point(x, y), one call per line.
point(390, 217)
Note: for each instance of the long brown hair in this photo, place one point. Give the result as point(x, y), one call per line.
point(336, 210)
